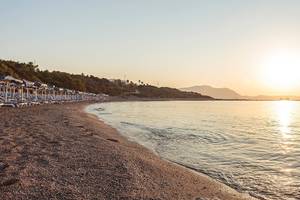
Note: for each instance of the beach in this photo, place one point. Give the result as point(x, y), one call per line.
point(61, 152)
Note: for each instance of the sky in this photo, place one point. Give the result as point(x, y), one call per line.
point(223, 43)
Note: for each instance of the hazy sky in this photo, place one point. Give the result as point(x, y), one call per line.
point(224, 43)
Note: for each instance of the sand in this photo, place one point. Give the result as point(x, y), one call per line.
point(60, 152)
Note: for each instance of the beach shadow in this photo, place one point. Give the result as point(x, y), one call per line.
point(9, 182)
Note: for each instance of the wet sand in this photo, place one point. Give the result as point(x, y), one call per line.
point(60, 152)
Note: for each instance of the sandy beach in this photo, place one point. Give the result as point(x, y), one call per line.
point(60, 152)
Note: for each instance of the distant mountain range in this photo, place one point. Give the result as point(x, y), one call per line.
point(226, 93)
point(272, 98)
point(217, 93)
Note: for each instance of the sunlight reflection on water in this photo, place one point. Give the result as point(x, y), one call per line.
point(284, 111)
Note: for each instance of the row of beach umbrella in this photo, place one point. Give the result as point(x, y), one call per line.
point(18, 93)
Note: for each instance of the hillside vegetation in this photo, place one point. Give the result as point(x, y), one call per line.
point(89, 83)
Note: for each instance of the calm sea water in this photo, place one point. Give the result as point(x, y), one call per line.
point(253, 147)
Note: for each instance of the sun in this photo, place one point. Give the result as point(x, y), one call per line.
point(281, 70)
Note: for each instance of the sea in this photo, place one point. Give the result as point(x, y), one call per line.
point(251, 146)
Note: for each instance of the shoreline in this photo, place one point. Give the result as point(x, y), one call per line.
point(140, 99)
point(62, 152)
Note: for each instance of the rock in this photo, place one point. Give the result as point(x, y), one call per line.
point(113, 140)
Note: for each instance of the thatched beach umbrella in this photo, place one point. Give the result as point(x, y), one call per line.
point(28, 86)
point(10, 86)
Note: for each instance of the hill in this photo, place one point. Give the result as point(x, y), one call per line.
point(89, 83)
point(218, 93)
